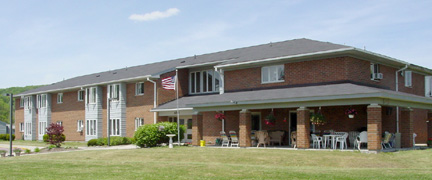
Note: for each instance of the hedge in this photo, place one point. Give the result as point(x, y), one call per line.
point(151, 135)
point(5, 137)
point(114, 141)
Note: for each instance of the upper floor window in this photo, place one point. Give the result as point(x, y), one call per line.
point(375, 72)
point(81, 95)
point(139, 88)
point(91, 95)
point(271, 74)
point(60, 98)
point(428, 86)
point(22, 102)
point(114, 91)
point(41, 101)
point(408, 78)
point(28, 102)
point(206, 81)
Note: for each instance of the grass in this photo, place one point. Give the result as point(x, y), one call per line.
point(212, 163)
point(44, 144)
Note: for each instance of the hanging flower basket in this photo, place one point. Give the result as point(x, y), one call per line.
point(219, 116)
point(270, 119)
point(317, 119)
point(350, 112)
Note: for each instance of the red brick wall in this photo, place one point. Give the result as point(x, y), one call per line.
point(138, 106)
point(19, 118)
point(406, 128)
point(374, 127)
point(69, 112)
point(164, 95)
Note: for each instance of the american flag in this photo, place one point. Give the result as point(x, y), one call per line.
point(169, 82)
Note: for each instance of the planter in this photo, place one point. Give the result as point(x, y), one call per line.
point(351, 116)
point(17, 153)
point(3, 154)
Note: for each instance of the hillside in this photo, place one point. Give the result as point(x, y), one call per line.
point(4, 100)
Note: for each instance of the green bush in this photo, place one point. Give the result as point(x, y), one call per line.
point(2, 136)
point(92, 142)
point(5, 137)
point(114, 141)
point(150, 135)
point(45, 138)
point(36, 150)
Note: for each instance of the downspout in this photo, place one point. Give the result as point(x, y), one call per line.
point(154, 99)
point(398, 135)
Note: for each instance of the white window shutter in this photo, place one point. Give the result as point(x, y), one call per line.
point(408, 78)
point(428, 84)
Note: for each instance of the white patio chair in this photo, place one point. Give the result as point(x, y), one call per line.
point(342, 141)
point(414, 136)
point(386, 141)
point(316, 141)
point(234, 139)
point(263, 138)
point(361, 138)
point(352, 135)
point(225, 139)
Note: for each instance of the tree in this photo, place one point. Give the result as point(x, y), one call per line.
point(55, 134)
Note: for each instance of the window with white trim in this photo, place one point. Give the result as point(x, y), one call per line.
point(115, 127)
point(80, 125)
point(114, 91)
point(206, 81)
point(272, 74)
point(28, 102)
point(21, 127)
point(172, 119)
point(60, 123)
point(375, 72)
point(42, 128)
point(138, 122)
point(81, 95)
point(91, 95)
point(139, 88)
point(408, 78)
point(28, 127)
point(428, 86)
point(42, 101)
point(22, 102)
point(91, 127)
point(59, 98)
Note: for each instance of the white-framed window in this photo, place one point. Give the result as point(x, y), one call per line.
point(80, 125)
point(272, 74)
point(114, 91)
point(42, 128)
point(59, 98)
point(139, 88)
point(22, 102)
point(28, 102)
point(375, 72)
point(138, 122)
point(408, 78)
point(81, 95)
point(60, 123)
point(28, 127)
point(428, 86)
point(91, 127)
point(42, 101)
point(206, 81)
point(115, 127)
point(172, 119)
point(21, 127)
point(91, 95)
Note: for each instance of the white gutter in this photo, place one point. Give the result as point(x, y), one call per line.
point(397, 90)
point(203, 64)
point(154, 99)
point(175, 109)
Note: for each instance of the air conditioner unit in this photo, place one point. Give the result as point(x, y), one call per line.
point(379, 76)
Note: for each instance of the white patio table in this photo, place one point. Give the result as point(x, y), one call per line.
point(332, 138)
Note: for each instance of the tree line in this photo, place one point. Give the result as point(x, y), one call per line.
point(4, 100)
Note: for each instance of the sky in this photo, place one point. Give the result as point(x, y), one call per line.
point(42, 42)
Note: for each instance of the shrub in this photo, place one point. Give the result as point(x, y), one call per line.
point(150, 135)
point(36, 150)
point(55, 134)
point(45, 138)
point(51, 146)
point(2, 136)
point(92, 142)
point(27, 151)
point(5, 137)
point(114, 141)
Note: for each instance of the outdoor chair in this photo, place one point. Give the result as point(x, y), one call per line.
point(294, 139)
point(361, 138)
point(253, 138)
point(342, 141)
point(276, 137)
point(225, 139)
point(392, 140)
point(352, 135)
point(316, 141)
point(234, 139)
point(386, 141)
point(263, 138)
point(414, 136)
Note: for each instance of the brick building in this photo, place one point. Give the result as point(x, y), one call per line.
point(289, 79)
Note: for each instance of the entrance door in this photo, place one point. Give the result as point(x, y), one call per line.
point(187, 122)
point(292, 124)
point(256, 121)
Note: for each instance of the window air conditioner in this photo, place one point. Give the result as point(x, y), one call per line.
point(379, 76)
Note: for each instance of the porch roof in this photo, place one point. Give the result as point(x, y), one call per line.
point(310, 96)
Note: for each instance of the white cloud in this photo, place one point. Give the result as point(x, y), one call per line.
point(154, 15)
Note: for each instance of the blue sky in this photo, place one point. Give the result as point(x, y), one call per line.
point(42, 42)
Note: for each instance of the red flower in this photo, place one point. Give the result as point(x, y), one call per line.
point(220, 116)
point(351, 111)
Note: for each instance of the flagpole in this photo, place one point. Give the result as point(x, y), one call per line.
point(178, 112)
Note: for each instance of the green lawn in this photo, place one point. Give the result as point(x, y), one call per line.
point(212, 163)
point(43, 144)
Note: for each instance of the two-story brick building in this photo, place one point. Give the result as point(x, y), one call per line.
point(288, 79)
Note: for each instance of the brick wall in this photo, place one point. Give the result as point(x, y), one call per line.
point(138, 106)
point(19, 118)
point(374, 127)
point(164, 95)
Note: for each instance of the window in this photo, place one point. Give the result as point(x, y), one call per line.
point(42, 128)
point(91, 127)
point(189, 124)
point(28, 127)
point(204, 81)
point(139, 88)
point(91, 95)
point(375, 72)
point(60, 123)
point(114, 91)
point(428, 86)
point(271, 74)
point(172, 119)
point(22, 102)
point(80, 125)
point(28, 102)
point(59, 98)
point(138, 122)
point(81, 95)
point(21, 127)
point(41, 101)
point(408, 78)
point(115, 127)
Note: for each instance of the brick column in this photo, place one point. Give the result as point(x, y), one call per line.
point(303, 128)
point(429, 125)
point(407, 127)
point(197, 129)
point(245, 126)
point(374, 127)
